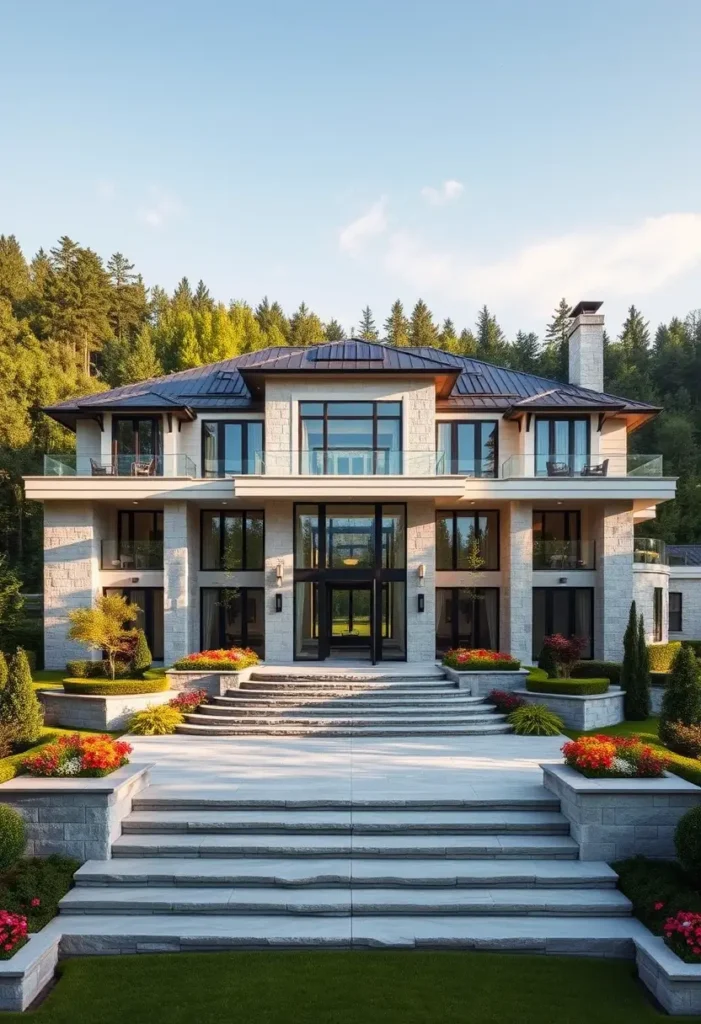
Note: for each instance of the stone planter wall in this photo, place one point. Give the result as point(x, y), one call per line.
point(31, 970)
point(480, 684)
point(675, 984)
point(78, 818)
point(584, 713)
point(616, 818)
point(215, 683)
point(96, 714)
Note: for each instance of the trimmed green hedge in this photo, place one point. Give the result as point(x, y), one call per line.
point(570, 687)
point(114, 688)
point(610, 670)
point(662, 655)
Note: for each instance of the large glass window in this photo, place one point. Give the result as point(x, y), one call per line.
point(557, 541)
point(467, 540)
point(467, 448)
point(232, 617)
point(139, 542)
point(566, 610)
point(149, 600)
point(561, 445)
point(657, 624)
point(232, 447)
point(675, 611)
point(350, 438)
point(137, 445)
point(232, 540)
point(467, 617)
point(350, 536)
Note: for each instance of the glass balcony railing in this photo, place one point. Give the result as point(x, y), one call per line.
point(352, 462)
point(649, 551)
point(560, 466)
point(563, 554)
point(119, 465)
point(132, 554)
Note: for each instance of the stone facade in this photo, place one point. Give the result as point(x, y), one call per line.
point(71, 560)
point(279, 626)
point(594, 711)
point(646, 579)
point(93, 713)
point(480, 684)
point(177, 583)
point(686, 580)
point(614, 579)
point(421, 550)
point(586, 351)
point(675, 984)
point(518, 616)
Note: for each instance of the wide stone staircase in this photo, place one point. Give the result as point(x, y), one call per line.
point(351, 702)
point(203, 870)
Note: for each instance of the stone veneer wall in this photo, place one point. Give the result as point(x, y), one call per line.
point(279, 626)
point(646, 578)
point(594, 711)
point(421, 550)
point(686, 580)
point(517, 591)
point(95, 713)
point(614, 579)
point(71, 574)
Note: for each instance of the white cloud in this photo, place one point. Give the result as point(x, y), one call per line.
point(602, 262)
point(161, 208)
point(353, 236)
point(106, 190)
point(448, 191)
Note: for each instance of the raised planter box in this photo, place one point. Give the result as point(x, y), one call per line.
point(25, 975)
point(675, 984)
point(92, 713)
point(593, 711)
point(215, 683)
point(616, 818)
point(78, 818)
point(481, 683)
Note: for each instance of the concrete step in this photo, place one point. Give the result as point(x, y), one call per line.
point(334, 872)
point(170, 798)
point(89, 934)
point(343, 902)
point(348, 686)
point(245, 699)
point(342, 674)
point(324, 730)
point(356, 822)
point(219, 716)
point(419, 847)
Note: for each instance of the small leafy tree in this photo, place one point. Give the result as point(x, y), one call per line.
point(142, 654)
point(3, 673)
point(630, 666)
point(102, 628)
point(565, 651)
point(20, 709)
point(682, 696)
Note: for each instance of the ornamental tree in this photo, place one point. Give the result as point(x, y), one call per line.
point(102, 628)
point(682, 696)
point(565, 651)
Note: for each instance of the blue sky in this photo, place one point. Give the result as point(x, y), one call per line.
point(302, 149)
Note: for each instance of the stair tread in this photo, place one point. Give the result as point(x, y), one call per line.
point(338, 719)
point(279, 729)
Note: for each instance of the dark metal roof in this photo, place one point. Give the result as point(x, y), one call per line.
point(684, 554)
point(468, 383)
point(586, 306)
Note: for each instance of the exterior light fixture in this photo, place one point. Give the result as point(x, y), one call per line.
point(279, 572)
point(422, 573)
point(278, 602)
point(351, 561)
point(562, 579)
point(135, 579)
point(420, 603)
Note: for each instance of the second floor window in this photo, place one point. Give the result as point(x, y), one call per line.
point(675, 611)
point(561, 445)
point(232, 447)
point(350, 438)
point(467, 448)
point(232, 540)
point(557, 541)
point(468, 541)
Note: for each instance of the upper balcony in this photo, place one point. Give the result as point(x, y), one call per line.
point(119, 465)
point(649, 551)
point(559, 466)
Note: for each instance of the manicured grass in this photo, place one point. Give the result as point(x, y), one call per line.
point(48, 678)
point(345, 988)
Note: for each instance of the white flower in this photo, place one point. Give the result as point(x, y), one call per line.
point(69, 767)
point(622, 766)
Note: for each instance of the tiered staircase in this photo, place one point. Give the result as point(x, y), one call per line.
point(357, 702)
point(211, 872)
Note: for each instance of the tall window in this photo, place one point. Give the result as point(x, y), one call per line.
point(467, 540)
point(139, 542)
point(657, 628)
point(557, 541)
point(232, 540)
point(566, 610)
point(149, 601)
point(561, 445)
point(467, 617)
point(675, 611)
point(232, 447)
point(467, 449)
point(350, 438)
point(233, 617)
point(137, 445)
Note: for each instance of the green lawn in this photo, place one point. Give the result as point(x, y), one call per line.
point(345, 988)
point(48, 678)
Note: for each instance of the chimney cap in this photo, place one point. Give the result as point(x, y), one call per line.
point(585, 306)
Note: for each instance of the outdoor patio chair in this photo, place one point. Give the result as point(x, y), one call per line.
point(144, 468)
point(96, 469)
point(558, 469)
point(601, 469)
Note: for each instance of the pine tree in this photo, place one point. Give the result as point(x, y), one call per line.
point(524, 352)
point(271, 318)
point(367, 330)
point(20, 709)
point(396, 326)
point(630, 669)
point(202, 300)
point(182, 296)
point(554, 357)
point(141, 361)
point(305, 327)
point(681, 701)
point(128, 304)
point(447, 337)
point(491, 343)
point(14, 272)
point(467, 343)
point(422, 330)
point(333, 331)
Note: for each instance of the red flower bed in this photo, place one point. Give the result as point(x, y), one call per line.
point(474, 659)
point(189, 700)
point(75, 756)
point(614, 757)
point(505, 702)
point(222, 660)
point(13, 933)
point(682, 933)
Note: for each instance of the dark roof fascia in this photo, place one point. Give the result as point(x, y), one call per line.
point(514, 411)
point(68, 417)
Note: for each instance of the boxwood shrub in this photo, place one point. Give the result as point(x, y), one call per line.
point(571, 687)
point(695, 645)
point(13, 836)
point(114, 687)
point(84, 669)
point(610, 670)
point(662, 655)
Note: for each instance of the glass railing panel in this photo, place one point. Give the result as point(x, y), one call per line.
point(649, 551)
point(564, 465)
point(119, 465)
point(563, 554)
point(132, 554)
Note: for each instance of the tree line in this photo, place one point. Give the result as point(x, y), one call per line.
point(71, 323)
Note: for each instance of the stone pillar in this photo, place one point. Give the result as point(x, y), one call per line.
point(586, 346)
point(177, 569)
point(421, 550)
point(614, 579)
point(71, 575)
point(279, 626)
point(517, 574)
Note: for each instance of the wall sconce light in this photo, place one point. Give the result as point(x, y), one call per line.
point(421, 602)
point(562, 579)
point(278, 602)
point(279, 572)
point(422, 573)
point(135, 579)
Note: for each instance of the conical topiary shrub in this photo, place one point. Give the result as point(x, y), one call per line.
point(20, 708)
point(142, 655)
point(629, 668)
point(681, 701)
point(637, 699)
point(547, 662)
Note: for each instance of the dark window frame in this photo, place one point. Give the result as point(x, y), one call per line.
point(657, 614)
point(148, 610)
point(455, 617)
point(550, 593)
point(476, 513)
point(221, 426)
point(243, 591)
point(551, 420)
point(566, 513)
point(231, 513)
point(477, 447)
point(374, 418)
point(134, 418)
point(678, 612)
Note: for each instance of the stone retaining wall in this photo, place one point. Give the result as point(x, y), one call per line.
point(215, 683)
point(583, 713)
point(95, 713)
point(675, 984)
point(481, 683)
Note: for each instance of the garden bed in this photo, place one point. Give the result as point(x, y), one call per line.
point(583, 711)
point(98, 712)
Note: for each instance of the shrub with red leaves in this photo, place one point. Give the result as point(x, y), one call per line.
point(505, 702)
point(565, 651)
point(189, 700)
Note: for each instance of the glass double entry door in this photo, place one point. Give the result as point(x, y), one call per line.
point(359, 620)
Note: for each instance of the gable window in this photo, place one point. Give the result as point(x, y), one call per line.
point(467, 540)
point(232, 447)
point(350, 438)
point(232, 540)
point(561, 445)
point(467, 448)
point(657, 626)
point(675, 611)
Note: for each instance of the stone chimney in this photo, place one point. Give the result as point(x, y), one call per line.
point(586, 346)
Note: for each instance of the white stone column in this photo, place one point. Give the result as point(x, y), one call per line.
point(71, 575)
point(614, 579)
point(279, 626)
point(421, 550)
point(177, 569)
point(517, 577)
